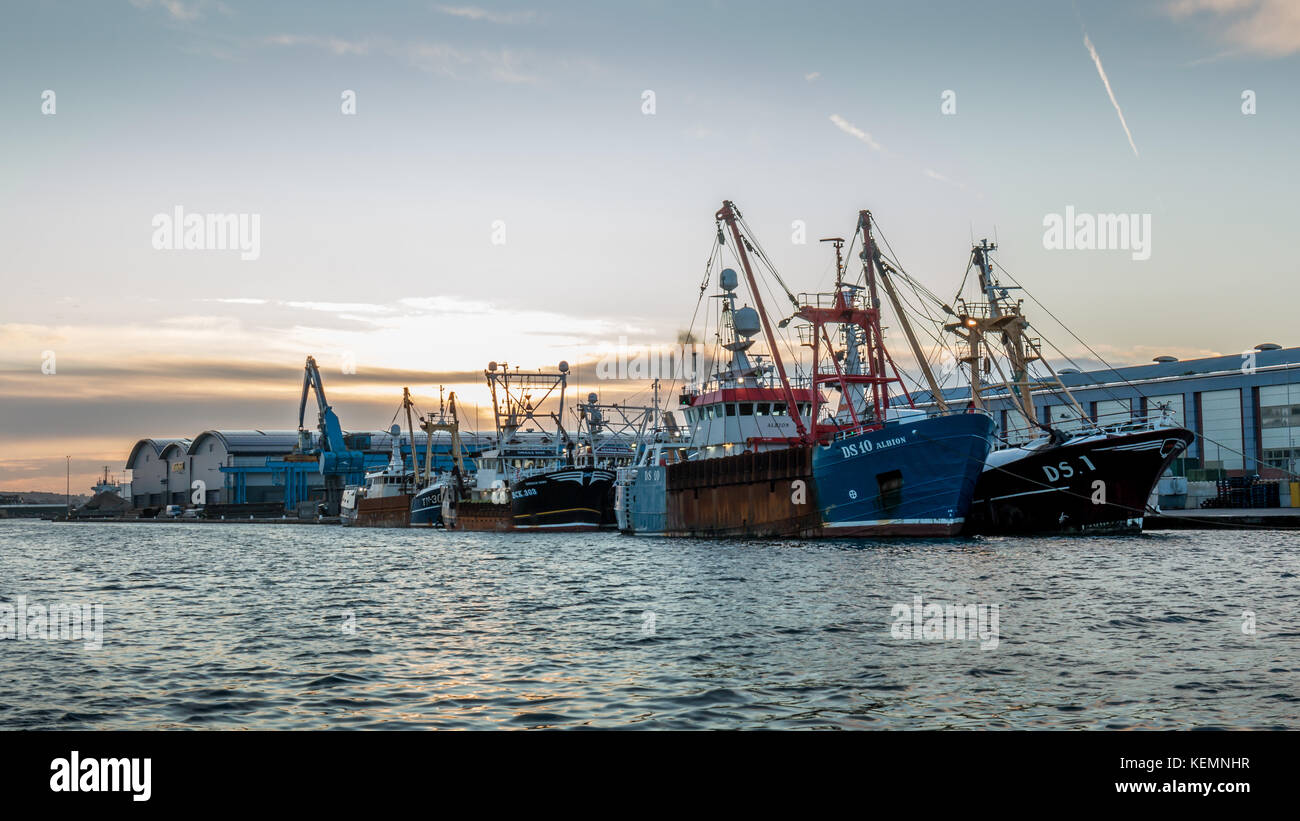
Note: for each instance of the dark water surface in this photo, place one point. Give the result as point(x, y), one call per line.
point(269, 627)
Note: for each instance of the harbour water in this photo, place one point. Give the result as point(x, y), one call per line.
point(247, 626)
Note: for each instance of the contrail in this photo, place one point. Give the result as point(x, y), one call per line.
point(1093, 51)
point(851, 129)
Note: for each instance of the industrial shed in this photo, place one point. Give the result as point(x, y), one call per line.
point(149, 471)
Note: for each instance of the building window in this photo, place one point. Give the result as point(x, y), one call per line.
point(1221, 429)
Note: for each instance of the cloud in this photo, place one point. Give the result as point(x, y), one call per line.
point(935, 175)
point(812, 75)
point(178, 10)
point(503, 66)
point(484, 15)
point(1101, 71)
point(853, 131)
point(1266, 28)
point(335, 45)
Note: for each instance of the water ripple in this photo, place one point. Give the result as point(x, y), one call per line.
point(246, 626)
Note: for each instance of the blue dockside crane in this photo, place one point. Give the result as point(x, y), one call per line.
point(338, 464)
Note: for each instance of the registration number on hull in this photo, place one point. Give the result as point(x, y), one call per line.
point(1065, 470)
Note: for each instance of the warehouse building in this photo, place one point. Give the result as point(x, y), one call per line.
point(1244, 408)
point(149, 471)
point(256, 467)
point(232, 465)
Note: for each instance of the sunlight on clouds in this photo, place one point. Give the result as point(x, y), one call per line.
point(1269, 28)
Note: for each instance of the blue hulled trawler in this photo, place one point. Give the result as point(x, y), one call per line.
point(765, 457)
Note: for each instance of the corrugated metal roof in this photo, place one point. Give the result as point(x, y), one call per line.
point(157, 444)
point(251, 441)
point(273, 442)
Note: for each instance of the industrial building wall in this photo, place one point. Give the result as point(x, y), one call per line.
point(1221, 427)
point(1279, 417)
point(178, 475)
point(147, 474)
point(206, 461)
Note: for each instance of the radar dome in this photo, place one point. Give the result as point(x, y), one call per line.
point(729, 280)
point(746, 321)
point(564, 366)
point(395, 430)
point(492, 366)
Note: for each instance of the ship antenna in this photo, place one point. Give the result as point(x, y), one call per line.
point(838, 242)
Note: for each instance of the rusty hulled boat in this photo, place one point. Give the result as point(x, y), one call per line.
point(765, 460)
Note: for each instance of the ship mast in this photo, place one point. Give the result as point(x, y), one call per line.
point(410, 432)
point(453, 427)
point(999, 315)
point(886, 270)
point(1013, 329)
point(729, 215)
point(844, 307)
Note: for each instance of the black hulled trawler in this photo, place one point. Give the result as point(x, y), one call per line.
point(530, 480)
point(1075, 473)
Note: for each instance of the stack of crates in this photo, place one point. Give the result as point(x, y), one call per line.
point(1242, 492)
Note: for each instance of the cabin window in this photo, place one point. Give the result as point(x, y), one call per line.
point(778, 409)
point(746, 408)
point(731, 409)
point(761, 409)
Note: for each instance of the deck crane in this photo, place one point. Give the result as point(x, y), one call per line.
point(452, 427)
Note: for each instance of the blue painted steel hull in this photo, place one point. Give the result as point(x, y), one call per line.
point(426, 507)
point(910, 478)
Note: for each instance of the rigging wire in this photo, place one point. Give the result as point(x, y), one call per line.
point(1221, 446)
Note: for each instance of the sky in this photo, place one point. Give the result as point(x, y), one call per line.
point(529, 182)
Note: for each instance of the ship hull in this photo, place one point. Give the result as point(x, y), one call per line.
point(769, 494)
point(910, 478)
point(568, 499)
point(426, 507)
point(386, 511)
point(1097, 485)
point(483, 517)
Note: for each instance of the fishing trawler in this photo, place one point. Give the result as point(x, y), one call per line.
point(763, 461)
point(610, 435)
point(426, 504)
point(1097, 477)
point(384, 500)
point(529, 480)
